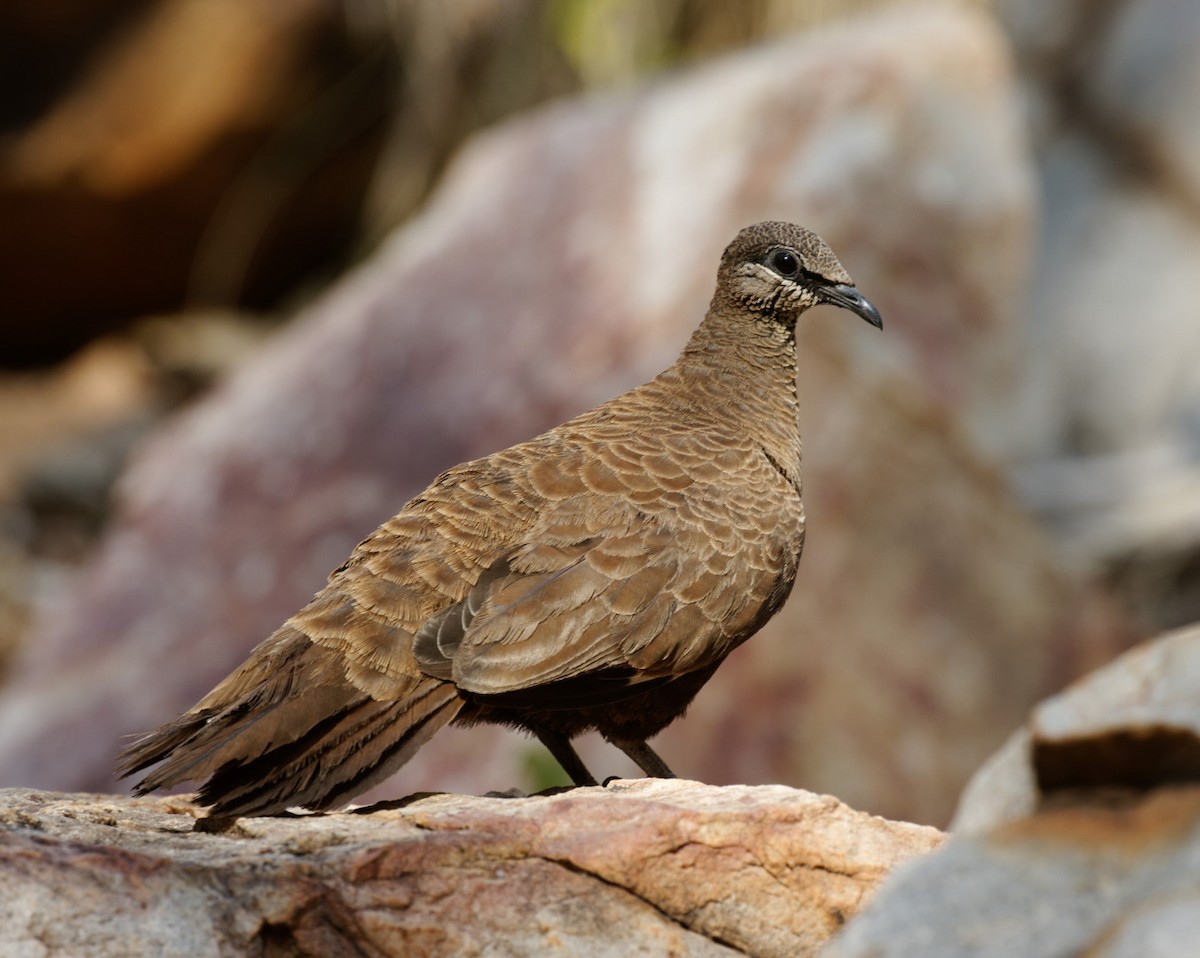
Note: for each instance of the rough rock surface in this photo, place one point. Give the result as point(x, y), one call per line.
point(566, 257)
point(638, 868)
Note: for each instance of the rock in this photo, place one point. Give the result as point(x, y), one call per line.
point(1110, 448)
point(646, 867)
point(1081, 836)
point(1134, 724)
point(546, 276)
point(1106, 880)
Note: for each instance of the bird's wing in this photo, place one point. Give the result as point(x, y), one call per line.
point(334, 700)
point(613, 585)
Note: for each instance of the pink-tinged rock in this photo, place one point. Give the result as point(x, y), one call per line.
point(566, 257)
point(650, 867)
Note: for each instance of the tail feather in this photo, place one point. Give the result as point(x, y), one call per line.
point(269, 738)
point(275, 674)
point(160, 743)
point(342, 756)
point(195, 747)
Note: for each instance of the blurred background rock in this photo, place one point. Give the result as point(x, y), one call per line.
point(258, 254)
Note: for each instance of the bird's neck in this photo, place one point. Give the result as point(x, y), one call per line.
point(747, 367)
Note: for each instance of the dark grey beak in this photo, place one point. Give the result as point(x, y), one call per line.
point(849, 298)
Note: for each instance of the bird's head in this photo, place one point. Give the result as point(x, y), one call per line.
point(779, 270)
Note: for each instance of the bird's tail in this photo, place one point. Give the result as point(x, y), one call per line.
point(289, 728)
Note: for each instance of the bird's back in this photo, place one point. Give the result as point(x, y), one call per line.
point(646, 533)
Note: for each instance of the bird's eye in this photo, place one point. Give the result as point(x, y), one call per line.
point(784, 262)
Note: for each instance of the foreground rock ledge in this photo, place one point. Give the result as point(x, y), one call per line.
point(640, 867)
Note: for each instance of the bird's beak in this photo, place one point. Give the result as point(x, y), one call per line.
point(849, 298)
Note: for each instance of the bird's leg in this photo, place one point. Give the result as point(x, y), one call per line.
point(566, 756)
point(646, 758)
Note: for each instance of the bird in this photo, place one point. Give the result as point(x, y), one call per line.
point(591, 578)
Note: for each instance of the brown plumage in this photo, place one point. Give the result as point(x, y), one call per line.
point(591, 578)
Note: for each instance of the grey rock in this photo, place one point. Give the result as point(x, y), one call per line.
point(1096, 879)
point(1133, 724)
